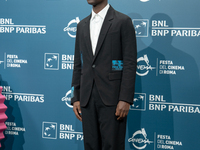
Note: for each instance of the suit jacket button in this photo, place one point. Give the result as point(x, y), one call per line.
point(93, 66)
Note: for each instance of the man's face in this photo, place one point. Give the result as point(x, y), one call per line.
point(95, 2)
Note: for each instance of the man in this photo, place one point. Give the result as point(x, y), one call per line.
point(104, 76)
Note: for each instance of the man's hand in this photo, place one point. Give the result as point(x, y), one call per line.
point(122, 110)
point(77, 110)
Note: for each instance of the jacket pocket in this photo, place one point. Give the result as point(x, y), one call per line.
point(115, 75)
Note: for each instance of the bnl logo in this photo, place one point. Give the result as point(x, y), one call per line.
point(139, 102)
point(51, 61)
point(49, 130)
point(141, 27)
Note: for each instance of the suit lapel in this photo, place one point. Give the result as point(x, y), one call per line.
point(104, 30)
point(87, 36)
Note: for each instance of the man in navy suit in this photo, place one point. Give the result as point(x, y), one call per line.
point(104, 76)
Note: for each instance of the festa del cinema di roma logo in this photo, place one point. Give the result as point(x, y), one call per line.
point(139, 139)
point(71, 28)
point(143, 66)
point(67, 99)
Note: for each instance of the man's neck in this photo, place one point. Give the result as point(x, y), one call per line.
point(97, 8)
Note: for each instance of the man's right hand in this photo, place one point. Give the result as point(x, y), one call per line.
point(77, 110)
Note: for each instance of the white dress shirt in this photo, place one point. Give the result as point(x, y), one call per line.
point(96, 22)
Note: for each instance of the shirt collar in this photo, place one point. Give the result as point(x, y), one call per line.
point(102, 13)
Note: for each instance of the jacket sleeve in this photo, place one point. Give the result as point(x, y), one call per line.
point(129, 51)
point(75, 91)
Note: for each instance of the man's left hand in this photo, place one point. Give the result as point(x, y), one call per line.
point(122, 109)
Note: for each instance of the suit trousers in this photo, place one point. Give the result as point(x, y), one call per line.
point(101, 129)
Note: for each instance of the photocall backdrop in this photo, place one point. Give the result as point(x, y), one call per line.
point(37, 41)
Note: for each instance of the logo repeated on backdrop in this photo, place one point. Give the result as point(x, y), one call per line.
point(67, 99)
point(51, 61)
point(161, 28)
point(72, 27)
point(143, 66)
point(68, 133)
point(139, 102)
point(140, 141)
point(13, 129)
point(168, 67)
point(141, 27)
point(7, 26)
point(22, 97)
point(49, 130)
point(12, 61)
point(165, 142)
point(158, 103)
point(161, 67)
point(67, 61)
point(64, 132)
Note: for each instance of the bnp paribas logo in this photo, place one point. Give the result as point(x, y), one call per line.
point(141, 27)
point(139, 102)
point(49, 130)
point(51, 61)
